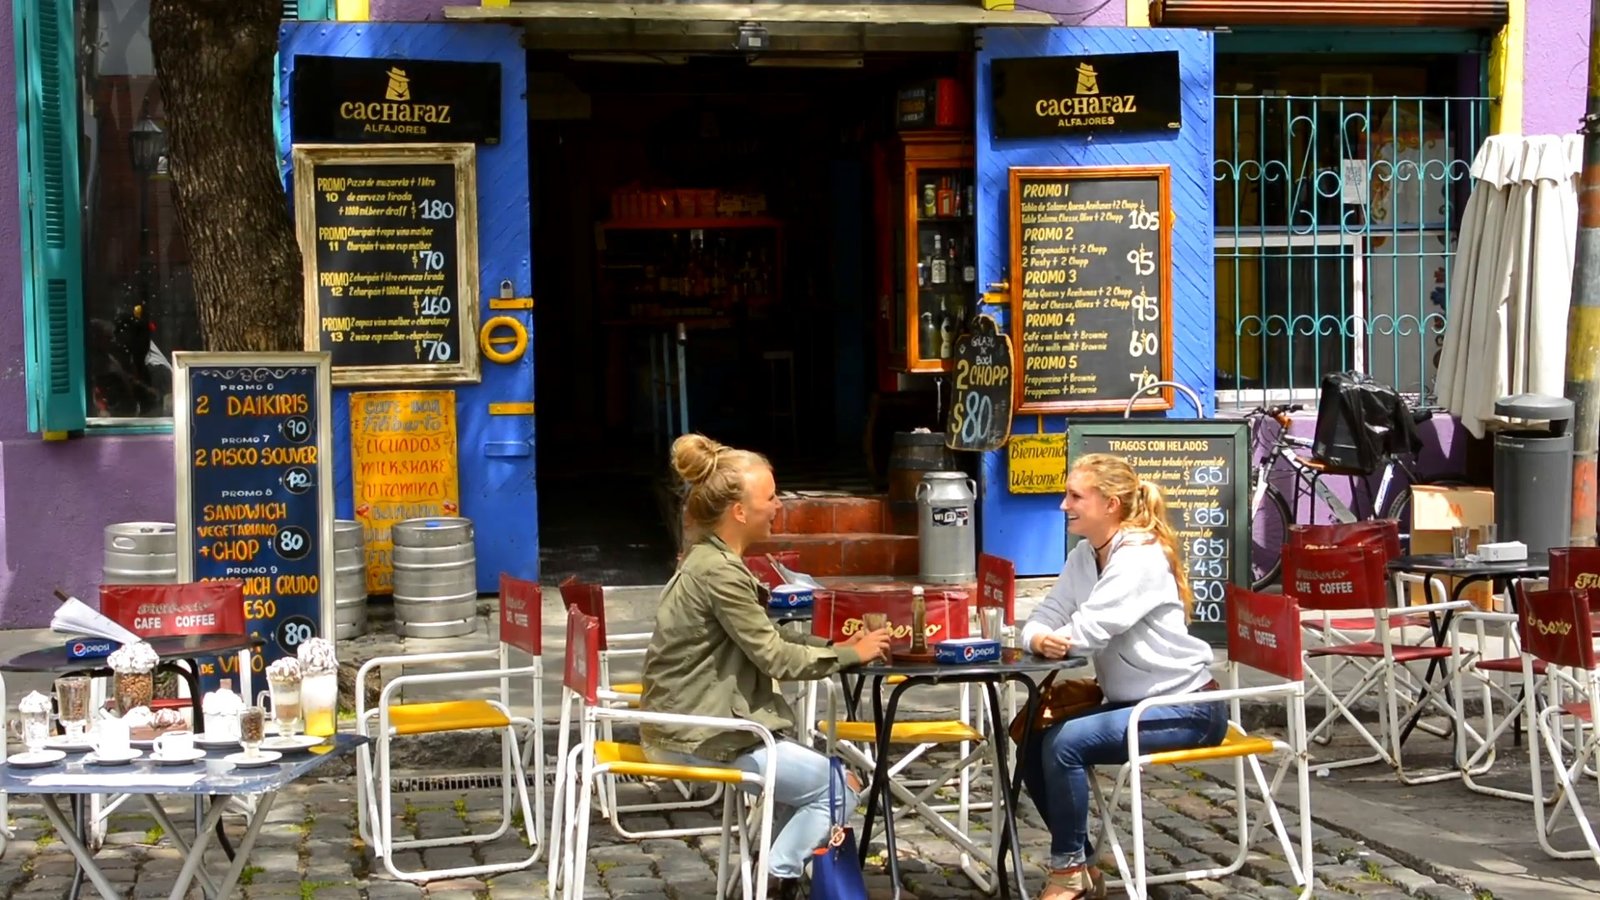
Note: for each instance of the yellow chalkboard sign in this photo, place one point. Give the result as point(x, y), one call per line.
point(1037, 464)
point(404, 465)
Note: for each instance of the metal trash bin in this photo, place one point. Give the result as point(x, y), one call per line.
point(1533, 472)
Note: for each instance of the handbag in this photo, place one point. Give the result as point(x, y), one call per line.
point(836, 866)
point(1058, 702)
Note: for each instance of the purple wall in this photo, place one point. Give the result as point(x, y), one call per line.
point(1068, 12)
point(1556, 50)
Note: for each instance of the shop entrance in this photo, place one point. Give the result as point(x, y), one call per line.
point(704, 259)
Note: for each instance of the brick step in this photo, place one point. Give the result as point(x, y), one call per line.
point(844, 514)
point(832, 554)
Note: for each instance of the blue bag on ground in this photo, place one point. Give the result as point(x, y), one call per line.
point(836, 866)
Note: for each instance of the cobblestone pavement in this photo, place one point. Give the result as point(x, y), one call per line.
point(310, 849)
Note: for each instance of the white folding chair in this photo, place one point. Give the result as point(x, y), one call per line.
point(746, 812)
point(1342, 579)
point(392, 719)
point(589, 599)
point(1557, 627)
point(1263, 634)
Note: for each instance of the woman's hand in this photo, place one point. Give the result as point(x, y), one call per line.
point(1051, 646)
point(870, 644)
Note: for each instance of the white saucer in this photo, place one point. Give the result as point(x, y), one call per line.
point(205, 740)
point(122, 759)
point(263, 758)
point(35, 760)
point(81, 744)
point(193, 754)
point(296, 744)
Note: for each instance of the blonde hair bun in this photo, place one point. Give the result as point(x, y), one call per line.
point(694, 457)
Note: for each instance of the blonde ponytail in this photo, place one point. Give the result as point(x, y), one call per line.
point(1144, 510)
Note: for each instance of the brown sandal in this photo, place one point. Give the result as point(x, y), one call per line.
point(1075, 883)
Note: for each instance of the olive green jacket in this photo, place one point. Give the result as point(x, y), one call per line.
point(715, 652)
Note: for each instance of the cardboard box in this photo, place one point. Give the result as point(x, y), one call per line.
point(1436, 510)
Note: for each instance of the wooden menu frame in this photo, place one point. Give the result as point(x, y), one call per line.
point(1018, 175)
point(463, 157)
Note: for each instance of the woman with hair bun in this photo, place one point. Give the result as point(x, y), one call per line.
point(715, 652)
point(1123, 600)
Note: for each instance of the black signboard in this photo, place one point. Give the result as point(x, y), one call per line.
point(1202, 467)
point(391, 282)
point(255, 496)
point(1054, 95)
point(349, 100)
point(1091, 287)
point(980, 410)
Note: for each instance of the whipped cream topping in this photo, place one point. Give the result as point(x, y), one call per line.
point(286, 669)
point(221, 703)
point(139, 717)
point(135, 658)
point(317, 656)
point(35, 702)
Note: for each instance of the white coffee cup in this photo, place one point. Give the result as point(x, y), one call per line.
point(174, 743)
point(111, 738)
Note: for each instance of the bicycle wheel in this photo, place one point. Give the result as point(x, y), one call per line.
point(1399, 508)
point(1269, 532)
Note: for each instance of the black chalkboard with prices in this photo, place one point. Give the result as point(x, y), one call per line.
point(1202, 467)
point(391, 260)
point(980, 407)
point(1091, 287)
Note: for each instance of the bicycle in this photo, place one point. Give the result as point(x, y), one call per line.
point(1271, 514)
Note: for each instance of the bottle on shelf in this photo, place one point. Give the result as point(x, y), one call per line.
point(947, 335)
point(938, 271)
point(930, 201)
point(929, 337)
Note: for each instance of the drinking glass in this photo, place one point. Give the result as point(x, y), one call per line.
point(35, 729)
point(989, 622)
point(285, 705)
point(875, 621)
point(1487, 534)
point(252, 729)
point(1460, 536)
point(72, 705)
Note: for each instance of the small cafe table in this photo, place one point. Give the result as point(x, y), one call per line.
point(1014, 665)
point(211, 777)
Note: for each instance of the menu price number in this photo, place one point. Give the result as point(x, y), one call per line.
point(1208, 599)
point(1143, 261)
point(1207, 548)
point(292, 543)
point(1209, 475)
point(294, 631)
point(1207, 516)
point(436, 210)
point(428, 260)
point(431, 306)
point(434, 350)
point(1142, 219)
point(297, 480)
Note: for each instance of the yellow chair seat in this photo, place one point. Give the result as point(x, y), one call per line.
point(629, 759)
point(946, 732)
point(1237, 743)
point(448, 715)
point(627, 687)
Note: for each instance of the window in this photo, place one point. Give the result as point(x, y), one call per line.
point(1339, 191)
point(107, 284)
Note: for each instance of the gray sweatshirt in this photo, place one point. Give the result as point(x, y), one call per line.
point(1128, 619)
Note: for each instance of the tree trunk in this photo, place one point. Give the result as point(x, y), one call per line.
point(214, 61)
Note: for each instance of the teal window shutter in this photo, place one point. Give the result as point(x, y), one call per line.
point(52, 241)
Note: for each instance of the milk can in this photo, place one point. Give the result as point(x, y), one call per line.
point(947, 545)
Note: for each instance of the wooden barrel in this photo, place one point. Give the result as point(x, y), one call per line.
point(915, 453)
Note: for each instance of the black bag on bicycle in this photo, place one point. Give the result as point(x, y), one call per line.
point(1359, 423)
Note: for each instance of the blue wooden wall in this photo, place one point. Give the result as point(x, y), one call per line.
point(496, 452)
point(1029, 528)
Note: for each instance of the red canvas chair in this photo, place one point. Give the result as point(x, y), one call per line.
point(1264, 634)
point(1349, 580)
point(392, 719)
point(203, 607)
point(747, 811)
point(1556, 627)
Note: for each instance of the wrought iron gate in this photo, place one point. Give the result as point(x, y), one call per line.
point(1336, 221)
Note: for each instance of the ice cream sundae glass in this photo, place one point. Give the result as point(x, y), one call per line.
point(133, 675)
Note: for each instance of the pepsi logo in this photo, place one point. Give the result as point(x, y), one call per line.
point(79, 647)
point(969, 652)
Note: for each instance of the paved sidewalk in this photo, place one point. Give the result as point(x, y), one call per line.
point(309, 849)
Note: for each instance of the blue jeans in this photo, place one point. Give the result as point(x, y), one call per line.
point(1056, 765)
point(800, 816)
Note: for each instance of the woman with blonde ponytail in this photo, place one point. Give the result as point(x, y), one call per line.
point(1123, 600)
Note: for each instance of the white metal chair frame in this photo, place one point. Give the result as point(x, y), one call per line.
point(375, 799)
point(1238, 747)
point(578, 773)
point(1380, 674)
point(1584, 754)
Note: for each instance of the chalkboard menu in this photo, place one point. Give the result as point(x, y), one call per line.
point(1203, 470)
point(255, 489)
point(389, 236)
point(1091, 287)
point(980, 410)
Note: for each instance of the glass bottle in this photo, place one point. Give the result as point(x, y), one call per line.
point(938, 271)
point(919, 620)
point(929, 338)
